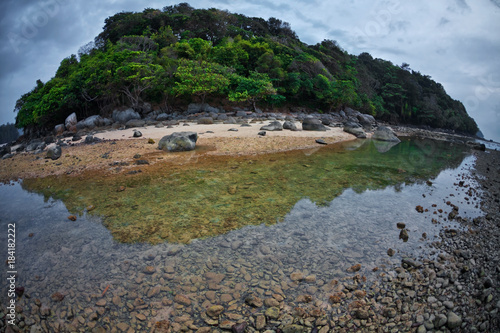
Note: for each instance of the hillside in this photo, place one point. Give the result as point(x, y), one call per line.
point(168, 58)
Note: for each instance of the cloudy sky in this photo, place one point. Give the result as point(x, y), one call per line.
point(456, 42)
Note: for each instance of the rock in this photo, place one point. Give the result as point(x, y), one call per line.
point(206, 121)
point(232, 130)
point(385, 134)
point(181, 299)
point(354, 129)
point(215, 310)
point(361, 314)
point(321, 142)
point(354, 268)
point(149, 270)
point(295, 329)
point(197, 108)
point(178, 141)
point(313, 124)
point(123, 117)
point(134, 123)
point(270, 302)
point(90, 122)
point(90, 139)
point(137, 134)
point(72, 218)
point(273, 313)
point(404, 235)
point(162, 117)
point(453, 320)
point(367, 121)
point(262, 133)
point(59, 129)
point(57, 297)
point(273, 126)
point(241, 114)
point(440, 320)
point(476, 145)
point(230, 120)
point(70, 122)
point(239, 328)
point(297, 276)
point(289, 125)
point(254, 301)
point(54, 152)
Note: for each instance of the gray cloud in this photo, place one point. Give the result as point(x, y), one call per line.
point(454, 41)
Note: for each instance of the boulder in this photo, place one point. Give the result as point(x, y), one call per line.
point(4, 150)
point(54, 152)
point(230, 120)
point(273, 126)
point(289, 125)
point(241, 114)
point(354, 129)
point(124, 116)
point(476, 145)
point(90, 139)
point(134, 123)
point(206, 121)
point(36, 145)
point(222, 117)
point(59, 129)
point(367, 121)
point(178, 141)
point(162, 117)
point(313, 124)
point(385, 134)
point(90, 122)
point(197, 108)
point(70, 122)
point(137, 134)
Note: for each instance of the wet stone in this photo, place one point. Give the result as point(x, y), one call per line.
point(149, 270)
point(181, 299)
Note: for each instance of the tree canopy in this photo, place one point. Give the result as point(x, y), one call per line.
point(179, 53)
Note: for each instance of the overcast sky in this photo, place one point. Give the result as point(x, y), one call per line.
point(456, 42)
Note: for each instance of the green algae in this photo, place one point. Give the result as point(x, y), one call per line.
point(178, 203)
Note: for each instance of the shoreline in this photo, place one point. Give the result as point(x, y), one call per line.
point(119, 147)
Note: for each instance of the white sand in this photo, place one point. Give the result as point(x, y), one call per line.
point(222, 131)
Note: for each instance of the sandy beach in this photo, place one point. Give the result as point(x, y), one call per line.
point(118, 147)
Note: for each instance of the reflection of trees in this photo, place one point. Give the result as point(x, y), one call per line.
point(211, 196)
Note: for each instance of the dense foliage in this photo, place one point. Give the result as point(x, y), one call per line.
point(173, 56)
point(8, 133)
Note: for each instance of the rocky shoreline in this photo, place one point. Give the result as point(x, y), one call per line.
point(90, 144)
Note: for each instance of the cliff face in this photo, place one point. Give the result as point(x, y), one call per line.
point(168, 58)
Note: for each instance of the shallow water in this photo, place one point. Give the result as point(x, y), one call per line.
point(351, 226)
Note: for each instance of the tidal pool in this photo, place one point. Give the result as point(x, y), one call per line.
point(213, 195)
point(336, 207)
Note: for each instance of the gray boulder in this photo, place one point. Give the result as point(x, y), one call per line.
point(59, 129)
point(385, 134)
point(70, 122)
point(197, 108)
point(135, 123)
point(124, 116)
point(354, 129)
point(54, 152)
point(313, 124)
point(178, 141)
point(273, 126)
point(162, 117)
point(222, 117)
point(137, 134)
point(241, 114)
point(367, 121)
point(89, 122)
point(36, 145)
point(206, 121)
point(289, 125)
point(230, 120)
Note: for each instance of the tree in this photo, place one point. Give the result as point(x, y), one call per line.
point(200, 78)
point(254, 88)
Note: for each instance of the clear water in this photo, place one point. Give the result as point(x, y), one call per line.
point(321, 235)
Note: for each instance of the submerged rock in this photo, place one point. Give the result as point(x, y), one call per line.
point(178, 141)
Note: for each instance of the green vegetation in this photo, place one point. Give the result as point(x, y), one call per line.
point(179, 54)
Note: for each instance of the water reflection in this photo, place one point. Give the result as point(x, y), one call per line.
point(179, 203)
